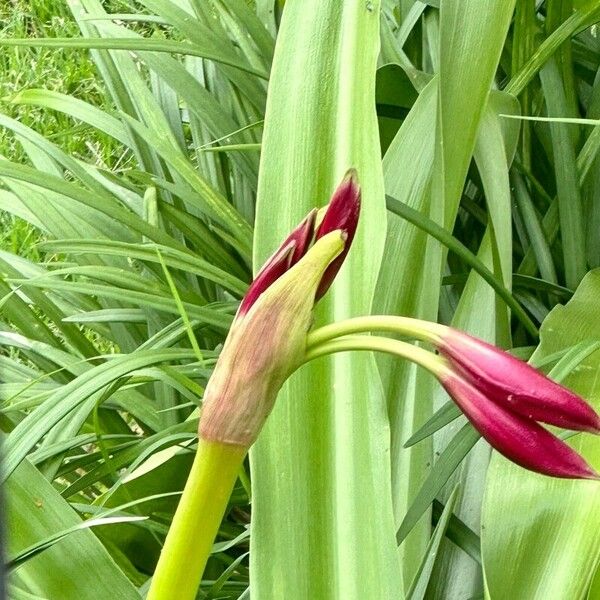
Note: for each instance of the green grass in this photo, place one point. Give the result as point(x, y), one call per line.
point(67, 71)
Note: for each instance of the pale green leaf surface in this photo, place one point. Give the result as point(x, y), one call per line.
point(136, 45)
point(38, 547)
point(480, 313)
point(399, 292)
point(320, 469)
point(419, 586)
point(75, 398)
point(455, 101)
point(75, 108)
point(76, 568)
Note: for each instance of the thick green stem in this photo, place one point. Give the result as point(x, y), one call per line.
point(196, 521)
point(430, 361)
point(415, 328)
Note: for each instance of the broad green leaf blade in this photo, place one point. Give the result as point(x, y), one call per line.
point(405, 244)
point(77, 568)
point(569, 198)
point(320, 469)
point(481, 313)
point(541, 536)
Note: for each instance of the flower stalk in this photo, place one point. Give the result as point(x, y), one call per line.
point(197, 519)
point(265, 344)
point(503, 397)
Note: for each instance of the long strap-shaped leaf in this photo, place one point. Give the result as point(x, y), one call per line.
point(322, 518)
point(79, 568)
point(426, 169)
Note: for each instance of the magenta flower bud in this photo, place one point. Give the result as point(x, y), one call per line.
point(341, 214)
point(289, 253)
point(267, 339)
point(515, 385)
point(518, 438)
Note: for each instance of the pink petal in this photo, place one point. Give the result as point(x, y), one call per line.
point(516, 385)
point(342, 213)
point(518, 438)
point(302, 236)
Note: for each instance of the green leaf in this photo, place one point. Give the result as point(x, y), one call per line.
point(425, 168)
point(418, 587)
point(76, 397)
point(453, 244)
point(76, 108)
point(77, 568)
point(481, 313)
point(326, 443)
point(174, 258)
point(35, 549)
point(444, 467)
point(446, 414)
point(570, 209)
point(582, 18)
point(138, 45)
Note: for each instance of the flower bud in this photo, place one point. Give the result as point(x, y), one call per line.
point(516, 385)
point(518, 438)
point(267, 339)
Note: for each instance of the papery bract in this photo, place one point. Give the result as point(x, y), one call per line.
point(267, 339)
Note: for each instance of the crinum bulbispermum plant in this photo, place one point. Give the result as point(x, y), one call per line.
point(332, 480)
point(504, 398)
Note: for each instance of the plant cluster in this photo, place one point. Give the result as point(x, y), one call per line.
point(189, 139)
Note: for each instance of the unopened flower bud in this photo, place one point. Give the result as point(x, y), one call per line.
point(518, 438)
point(267, 339)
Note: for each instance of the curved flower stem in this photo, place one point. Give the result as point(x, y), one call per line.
point(196, 521)
point(415, 328)
point(430, 361)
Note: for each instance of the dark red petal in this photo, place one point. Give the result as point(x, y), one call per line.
point(516, 385)
point(519, 439)
point(302, 236)
point(273, 269)
point(289, 253)
point(342, 213)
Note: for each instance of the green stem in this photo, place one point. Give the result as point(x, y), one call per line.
point(196, 521)
point(415, 328)
point(430, 361)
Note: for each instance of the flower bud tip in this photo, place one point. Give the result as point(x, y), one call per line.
point(516, 385)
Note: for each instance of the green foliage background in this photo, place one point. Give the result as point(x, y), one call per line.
point(146, 160)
